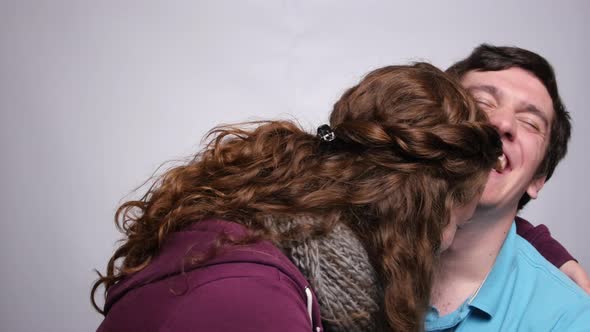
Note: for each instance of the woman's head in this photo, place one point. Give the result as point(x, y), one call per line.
point(427, 127)
point(410, 144)
point(425, 118)
point(426, 149)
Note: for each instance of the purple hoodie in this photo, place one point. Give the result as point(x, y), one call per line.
point(244, 288)
point(540, 237)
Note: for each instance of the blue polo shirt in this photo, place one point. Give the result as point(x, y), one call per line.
point(523, 292)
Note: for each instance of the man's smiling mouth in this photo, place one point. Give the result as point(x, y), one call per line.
point(502, 164)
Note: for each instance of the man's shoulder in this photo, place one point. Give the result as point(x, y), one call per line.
point(538, 296)
point(549, 294)
point(533, 266)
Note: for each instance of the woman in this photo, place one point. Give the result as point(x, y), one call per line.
point(363, 209)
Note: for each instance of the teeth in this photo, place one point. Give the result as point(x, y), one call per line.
point(501, 164)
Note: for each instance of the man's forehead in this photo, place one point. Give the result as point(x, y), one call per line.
point(518, 84)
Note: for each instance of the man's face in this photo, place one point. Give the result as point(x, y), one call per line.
point(521, 109)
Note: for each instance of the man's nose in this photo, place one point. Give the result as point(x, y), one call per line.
point(504, 122)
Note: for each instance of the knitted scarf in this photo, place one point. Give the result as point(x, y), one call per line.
point(337, 267)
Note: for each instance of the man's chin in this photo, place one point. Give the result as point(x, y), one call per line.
point(490, 197)
point(486, 204)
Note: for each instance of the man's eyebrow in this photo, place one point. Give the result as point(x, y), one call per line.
point(485, 88)
point(530, 108)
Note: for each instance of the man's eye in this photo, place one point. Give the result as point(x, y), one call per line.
point(530, 124)
point(483, 103)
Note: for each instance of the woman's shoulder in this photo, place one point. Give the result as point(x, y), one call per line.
point(244, 281)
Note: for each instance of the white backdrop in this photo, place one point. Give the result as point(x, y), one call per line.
point(94, 95)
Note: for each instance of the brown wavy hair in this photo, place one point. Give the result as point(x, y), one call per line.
point(410, 145)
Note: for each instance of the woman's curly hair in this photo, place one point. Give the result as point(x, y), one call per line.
point(410, 145)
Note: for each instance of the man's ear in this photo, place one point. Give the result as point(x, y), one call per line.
point(535, 186)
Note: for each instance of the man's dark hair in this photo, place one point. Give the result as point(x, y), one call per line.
point(493, 58)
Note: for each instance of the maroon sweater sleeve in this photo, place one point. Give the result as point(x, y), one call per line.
point(250, 304)
point(540, 237)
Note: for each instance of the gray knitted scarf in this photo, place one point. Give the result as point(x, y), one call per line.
point(337, 267)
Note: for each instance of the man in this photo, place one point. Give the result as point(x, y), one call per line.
point(491, 279)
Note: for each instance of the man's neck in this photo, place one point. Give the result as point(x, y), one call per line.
point(465, 265)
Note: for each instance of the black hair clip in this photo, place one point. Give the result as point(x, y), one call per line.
point(325, 133)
